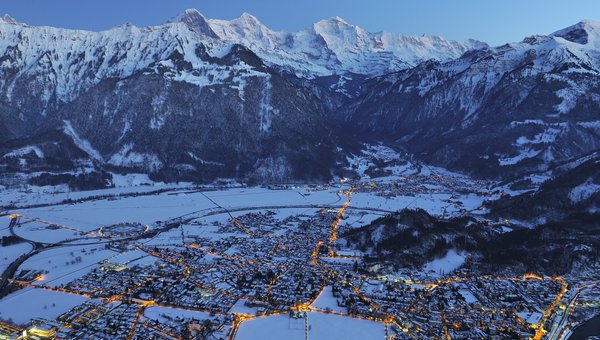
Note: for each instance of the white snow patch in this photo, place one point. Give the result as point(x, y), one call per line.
point(266, 111)
point(83, 144)
point(469, 297)
point(26, 304)
point(157, 122)
point(128, 158)
point(321, 327)
point(446, 264)
point(131, 180)
point(203, 161)
point(583, 191)
point(25, 151)
point(518, 158)
point(326, 300)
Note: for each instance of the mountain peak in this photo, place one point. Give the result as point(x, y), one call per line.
point(581, 33)
point(249, 19)
point(248, 16)
point(333, 21)
point(338, 20)
point(8, 19)
point(590, 25)
point(190, 13)
point(193, 19)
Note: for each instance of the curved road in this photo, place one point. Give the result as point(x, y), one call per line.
point(9, 273)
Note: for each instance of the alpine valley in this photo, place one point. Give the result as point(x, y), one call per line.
point(212, 179)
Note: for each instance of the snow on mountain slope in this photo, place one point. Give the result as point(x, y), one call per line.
point(24, 151)
point(146, 98)
point(81, 143)
point(60, 63)
point(247, 30)
point(333, 46)
point(586, 32)
point(514, 108)
point(195, 21)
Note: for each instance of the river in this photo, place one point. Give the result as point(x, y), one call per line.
point(589, 328)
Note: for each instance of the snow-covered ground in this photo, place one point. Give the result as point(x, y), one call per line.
point(170, 315)
point(24, 305)
point(272, 327)
point(435, 204)
point(583, 191)
point(240, 307)
point(371, 155)
point(10, 253)
point(34, 195)
point(446, 264)
point(321, 326)
point(65, 264)
point(358, 218)
point(132, 180)
point(147, 209)
point(326, 300)
point(43, 232)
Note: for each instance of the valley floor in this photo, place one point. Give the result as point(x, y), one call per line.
point(269, 262)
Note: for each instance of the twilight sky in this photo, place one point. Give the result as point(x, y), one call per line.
point(493, 21)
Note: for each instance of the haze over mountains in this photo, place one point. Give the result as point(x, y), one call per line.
point(200, 99)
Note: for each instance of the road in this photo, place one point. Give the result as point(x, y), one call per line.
point(9, 273)
point(560, 328)
point(12, 268)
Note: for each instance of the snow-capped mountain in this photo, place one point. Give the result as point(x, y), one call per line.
point(494, 111)
point(58, 64)
point(199, 98)
point(170, 99)
point(334, 46)
point(192, 96)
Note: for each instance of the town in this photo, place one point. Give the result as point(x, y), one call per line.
point(212, 273)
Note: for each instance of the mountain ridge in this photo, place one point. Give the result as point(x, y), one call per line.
point(495, 111)
point(536, 97)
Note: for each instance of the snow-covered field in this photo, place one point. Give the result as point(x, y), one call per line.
point(67, 263)
point(10, 253)
point(148, 209)
point(80, 230)
point(170, 315)
point(29, 303)
point(321, 326)
point(435, 204)
point(33, 195)
point(272, 327)
point(43, 232)
point(446, 264)
point(326, 300)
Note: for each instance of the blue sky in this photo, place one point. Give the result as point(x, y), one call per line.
point(492, 21)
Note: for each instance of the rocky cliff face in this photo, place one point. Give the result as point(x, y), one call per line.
point(191, 99)
point(200, 99)
point(494, 111)
point(248, 121)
